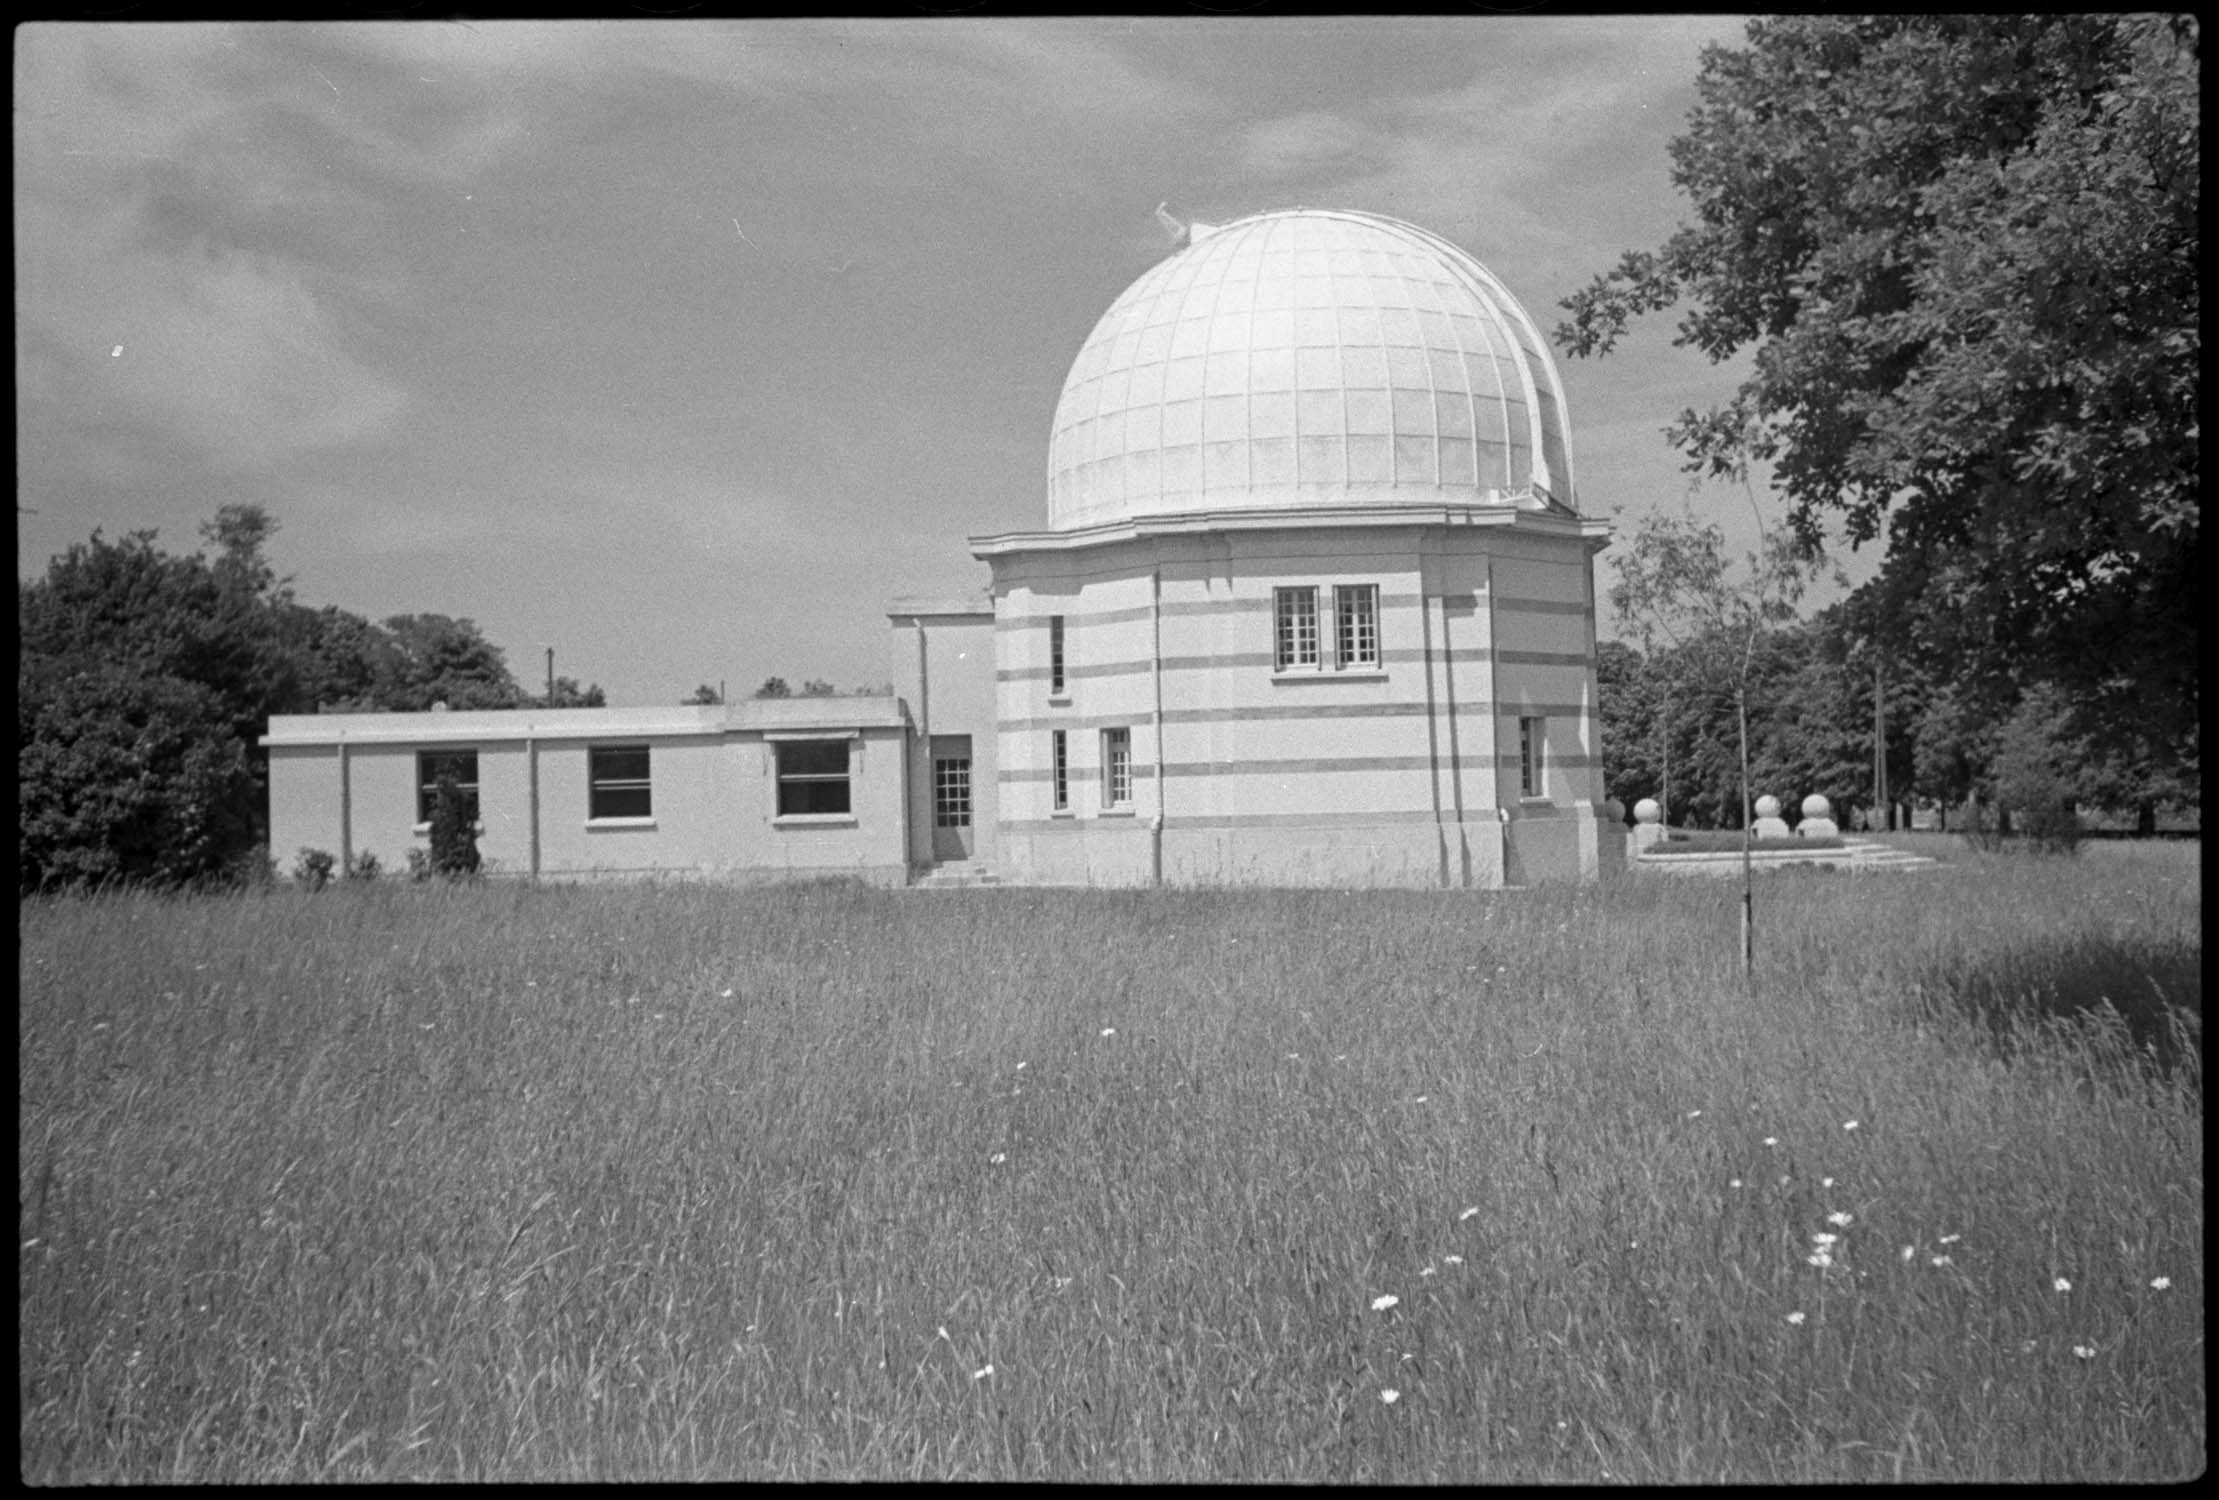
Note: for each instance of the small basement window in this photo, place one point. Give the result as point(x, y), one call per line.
point(1055, 653)
point(813, 778)
point(620, 785)
point(1059, 750)
point(431, 765)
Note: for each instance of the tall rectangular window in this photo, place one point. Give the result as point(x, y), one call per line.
point(431, 765)
point(1356, 624)
point(1059, 754)
point(951, 793)
point(812, 777)
point(1295, 628)
point(1055, 653)
point(1117, 767)
point(1531, 772)
point(619, 782)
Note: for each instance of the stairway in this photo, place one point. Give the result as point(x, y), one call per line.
point(1871, 855)
point(956, 874)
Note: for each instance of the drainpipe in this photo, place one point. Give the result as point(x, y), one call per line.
point(531, 768)
point(1155, 672)
point(346, 809)
point(922, 856)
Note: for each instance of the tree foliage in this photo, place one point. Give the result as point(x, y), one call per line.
point(1960, 257)
point(123, 774)
point(454, 837)
point(145, 680)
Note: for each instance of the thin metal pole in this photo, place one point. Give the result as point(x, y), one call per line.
point(1748, 868)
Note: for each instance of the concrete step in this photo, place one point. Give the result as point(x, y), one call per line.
point(956, 875)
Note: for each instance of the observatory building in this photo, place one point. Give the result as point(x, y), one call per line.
point(1314, 605)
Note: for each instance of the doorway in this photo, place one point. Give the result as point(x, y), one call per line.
point(951, 797)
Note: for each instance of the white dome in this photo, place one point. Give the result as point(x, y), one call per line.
point(1308, 357)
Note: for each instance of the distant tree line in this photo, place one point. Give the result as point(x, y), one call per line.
point(1947, 743)
point(145, 678)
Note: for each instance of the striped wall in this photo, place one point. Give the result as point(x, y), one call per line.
point(1399, 773)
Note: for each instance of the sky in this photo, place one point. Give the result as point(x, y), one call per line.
point(685, 347)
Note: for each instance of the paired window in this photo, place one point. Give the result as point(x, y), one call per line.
point(619, 786)
point(1055, 654)
point(1059, 755)
point(1296, 636)
point(813, 778)
point(1117, 767)
point(1532, 773)
point(433, 764)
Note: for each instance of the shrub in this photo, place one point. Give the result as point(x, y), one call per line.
point(419, 864)
point(364, 866)
point(454, 837)
point(313, 868)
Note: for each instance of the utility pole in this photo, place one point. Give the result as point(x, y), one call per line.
point(550, 677)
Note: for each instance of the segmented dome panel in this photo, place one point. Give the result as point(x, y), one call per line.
point(1308, 358)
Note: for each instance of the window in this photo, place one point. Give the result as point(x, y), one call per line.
point(1055, 653)
point(1296, 629)
point(812, 777)
point(1059, 754)
point(951, 793)
point(1356, 625)
point(1117, 767)
point(431, 765)
point(1531, 771)
point(619, 786)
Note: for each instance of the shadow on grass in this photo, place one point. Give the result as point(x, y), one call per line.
point(2078, 985)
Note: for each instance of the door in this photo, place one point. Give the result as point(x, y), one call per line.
point(951, 796)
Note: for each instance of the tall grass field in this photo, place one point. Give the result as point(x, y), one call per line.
point(495, 1182)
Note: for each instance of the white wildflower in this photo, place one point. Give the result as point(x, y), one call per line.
point(1796, 1318)
point(2160, 1283)
point(1390, 1397)
point(1841, 1220)
point(1382, 1303)
point(2063, 1285)
point(981, 1374)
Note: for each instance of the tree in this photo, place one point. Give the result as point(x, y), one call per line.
point(436, 659)
point(126, 775)
point(1674, 586)
point(774, 687)
point(1627, 701)
point(2035, 764)
point(568, 694)
point(703, 694)
point(1959, 257)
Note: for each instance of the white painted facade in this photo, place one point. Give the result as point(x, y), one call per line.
point(1302, 416)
